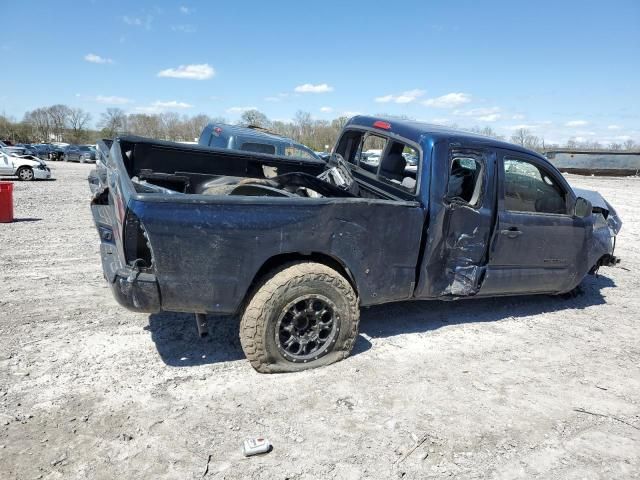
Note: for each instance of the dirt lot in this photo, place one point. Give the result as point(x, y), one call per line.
point(493, 387)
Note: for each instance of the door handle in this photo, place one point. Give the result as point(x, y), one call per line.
point(511, 232)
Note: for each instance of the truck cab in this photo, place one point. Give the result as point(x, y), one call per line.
point(499, 219)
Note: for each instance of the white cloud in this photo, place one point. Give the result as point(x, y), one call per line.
point(576, 123)
point(185, 10)
point(202, 71)
point(405, 97)
point(171, 104)
point(138, 22)
point(476, 112)
point(112, 100)
point(350, 114)
point(310, 88)
point(614, 127)
point(492, 117)
point(450, 100)
point(93, 58)
point(161, 106)
point(622, 137)
point(240, 109)
point(186, 28)
point(132, 20)
point(517, 116)
point(326, 109)
point(272, 99)
point(522, 125)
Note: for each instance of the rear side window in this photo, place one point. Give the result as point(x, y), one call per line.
point(529, 188)
point(258, 147)
point(297, 152)
point(465, 178)
point(400, 165)
point(370, 152)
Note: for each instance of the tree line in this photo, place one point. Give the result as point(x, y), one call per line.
point(61, 123)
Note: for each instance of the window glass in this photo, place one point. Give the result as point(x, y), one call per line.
point(465, 178)
point(258, 147)
point(400, 165)
point(370, 151)
point(293, 151)
point(528, 188)
point(349, 145)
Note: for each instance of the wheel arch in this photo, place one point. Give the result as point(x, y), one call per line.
point(281, 259)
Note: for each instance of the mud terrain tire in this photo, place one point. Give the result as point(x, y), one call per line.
point(290, 293)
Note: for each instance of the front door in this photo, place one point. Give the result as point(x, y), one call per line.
point(537, 241)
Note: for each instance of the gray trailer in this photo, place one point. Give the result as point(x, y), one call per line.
point(594, 162)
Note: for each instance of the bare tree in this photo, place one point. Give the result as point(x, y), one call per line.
point(630, 145)
point(40, 122)
point(78, 119)
point(59, 117)
point(113, 121)
point(254, 117)
point(519, 137)
point(487, 132)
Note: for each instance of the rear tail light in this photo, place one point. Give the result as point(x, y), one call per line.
point(136, 243)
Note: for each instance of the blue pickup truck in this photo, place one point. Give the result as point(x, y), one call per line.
point(295, 246)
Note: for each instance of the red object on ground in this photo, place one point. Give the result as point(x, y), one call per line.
point(6, 202)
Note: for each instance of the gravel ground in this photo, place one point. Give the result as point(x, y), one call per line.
point(494, 388)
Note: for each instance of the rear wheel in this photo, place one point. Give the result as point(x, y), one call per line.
point(303, 316)
point(25, 174)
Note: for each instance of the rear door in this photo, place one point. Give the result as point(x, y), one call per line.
point(537, 242)
point(461, 221)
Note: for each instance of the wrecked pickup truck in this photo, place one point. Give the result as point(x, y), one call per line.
point(296, 246)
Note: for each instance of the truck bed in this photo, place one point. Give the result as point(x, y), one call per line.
point(186, 228)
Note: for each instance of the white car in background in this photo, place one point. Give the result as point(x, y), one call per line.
point(26, 167)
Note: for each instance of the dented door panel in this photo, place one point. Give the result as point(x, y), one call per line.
point(459, 233)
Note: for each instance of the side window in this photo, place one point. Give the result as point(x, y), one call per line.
point(400, 166)
point(465, 178)
point(528, 188)
point(349, 145)
point(370, 151)
point(258, 147)
point(297, 152)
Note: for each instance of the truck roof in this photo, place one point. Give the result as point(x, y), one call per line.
point(252, 133)
point(415, 131)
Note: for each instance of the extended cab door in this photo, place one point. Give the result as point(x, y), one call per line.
point(461, 220)
point(537, 242)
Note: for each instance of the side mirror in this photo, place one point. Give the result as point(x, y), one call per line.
point(582, 208)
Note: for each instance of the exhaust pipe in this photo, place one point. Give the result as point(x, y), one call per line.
point(201, 323)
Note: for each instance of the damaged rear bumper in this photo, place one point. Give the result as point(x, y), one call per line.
point(136, 291)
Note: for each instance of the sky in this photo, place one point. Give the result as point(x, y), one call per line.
point(561, 69)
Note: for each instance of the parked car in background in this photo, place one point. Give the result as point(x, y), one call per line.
point(12, 148)
point(28, 148)
point(42, 150)
point(56, 152)
point(26, 168)
point(80, 153)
